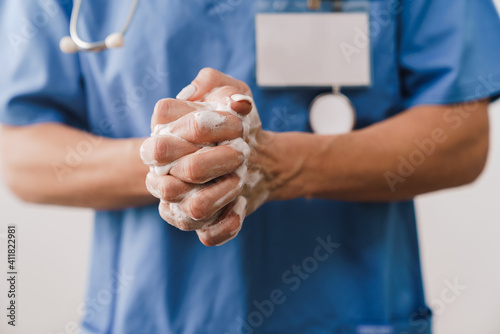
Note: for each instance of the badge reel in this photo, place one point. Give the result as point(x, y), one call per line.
point(332, 113)
point(316, 49)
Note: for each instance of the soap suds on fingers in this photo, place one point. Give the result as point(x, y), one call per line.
point(253, 178)
point(239, 145)
point(164, 169)
point(207, 115)
point(209, 119)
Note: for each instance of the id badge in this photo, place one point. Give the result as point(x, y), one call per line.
point(313, 49)
point(317, 49)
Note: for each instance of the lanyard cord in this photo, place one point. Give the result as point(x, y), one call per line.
point(316, 4)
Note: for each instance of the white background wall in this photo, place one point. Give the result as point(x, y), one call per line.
point(459, 233)
point(459, 239)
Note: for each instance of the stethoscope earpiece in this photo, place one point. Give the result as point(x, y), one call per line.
point(114, 40)
point(332, 114)
point(67, 45)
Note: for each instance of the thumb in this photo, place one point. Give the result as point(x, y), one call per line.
point(208, 79)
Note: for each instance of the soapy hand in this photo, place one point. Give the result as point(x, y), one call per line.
point(200, 157)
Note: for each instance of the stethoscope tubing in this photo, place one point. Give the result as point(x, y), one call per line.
point(93, 46)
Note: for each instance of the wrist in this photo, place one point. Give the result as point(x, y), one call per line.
point(138, 172)
point(282, 158)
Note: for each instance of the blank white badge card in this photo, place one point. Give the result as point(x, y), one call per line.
point(313, 49)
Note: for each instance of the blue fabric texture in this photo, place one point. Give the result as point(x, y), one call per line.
point(301, 266)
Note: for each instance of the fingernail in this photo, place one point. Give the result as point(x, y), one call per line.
point(147, 154)
point(241, 97)
point(186, 92)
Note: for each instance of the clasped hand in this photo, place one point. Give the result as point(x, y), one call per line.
point(201, 156)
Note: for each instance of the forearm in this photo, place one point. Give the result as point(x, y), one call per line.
point(56, 164)
point(384, 162)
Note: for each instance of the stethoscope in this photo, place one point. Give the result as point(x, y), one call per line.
point(329, 113)
point(73, 43)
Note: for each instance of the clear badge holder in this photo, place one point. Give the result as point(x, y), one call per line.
point(314, 43)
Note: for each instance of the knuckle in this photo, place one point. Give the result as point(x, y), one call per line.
point(151, 187)
point(197, 209)
point(164, 105)
point(161, 107)
point(157, 149)
point(246, 87)
point(208, 73)
point(164, 211)
point(160, 148)
point(206, 239)
point(191, 171)
point(197, 130)
point(166, 192)
point(170, 190)
point(229, 90)
point(235, 126)
point(184, 225)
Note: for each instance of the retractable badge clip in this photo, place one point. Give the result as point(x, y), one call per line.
point(331, 113)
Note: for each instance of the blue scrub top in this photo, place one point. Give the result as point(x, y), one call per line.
point(301, 266)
